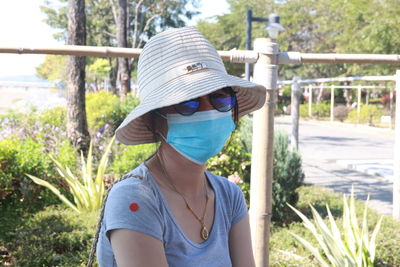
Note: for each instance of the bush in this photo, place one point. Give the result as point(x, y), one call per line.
point(99, 107)
point(25, 139)
point(105, 108)
point(53, 237)
point(287, 172)
point(286, 251)
point(321, 110)
point(349, 245)
point(340, 112)
point(235, 159)
point(245, 130)
point(87, 189)
point(122, 110)
point(129, 157)
point(287, 177)
point(370, 115)
point(55, 116)
point(16, 159)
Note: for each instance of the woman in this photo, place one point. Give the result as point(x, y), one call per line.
point(170, 211)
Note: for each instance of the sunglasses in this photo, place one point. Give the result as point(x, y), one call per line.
point(223, 100)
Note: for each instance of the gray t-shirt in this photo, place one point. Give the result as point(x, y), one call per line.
point(140, 206)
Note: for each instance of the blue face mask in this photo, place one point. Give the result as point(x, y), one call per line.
point(200, 136)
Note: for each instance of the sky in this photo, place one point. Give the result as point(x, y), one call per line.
point(21, 25)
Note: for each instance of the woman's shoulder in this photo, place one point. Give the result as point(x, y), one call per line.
point(135, 180)
point(133, 204)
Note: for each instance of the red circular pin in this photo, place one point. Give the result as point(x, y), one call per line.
point(133, 206)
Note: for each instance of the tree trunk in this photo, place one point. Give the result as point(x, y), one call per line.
point(320, 92)
point(112, 75)
point(122, 38)
point(77, 128)
point(348, 95)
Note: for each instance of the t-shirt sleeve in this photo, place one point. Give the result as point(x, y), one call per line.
point(239, 207)
point(133, 205)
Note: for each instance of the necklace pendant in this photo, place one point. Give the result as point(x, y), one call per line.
point(204, 233)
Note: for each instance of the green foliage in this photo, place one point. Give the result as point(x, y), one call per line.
point(321, 110)
point(25, 138)
point(145, 19)
point(54, 68)
point(99, 68)
point(98, 71)
point(350, 246)
point(53, 237)
point(129, 157)
point(17, 158)
point(286, 250)
point(105, 108)
point(55, 116)
point(67, 154)
point(284, 100)
point(246, 133)
point(122, 110)
point(88, 192)
point(314, 26)
point(233, 159)
point(370, 115)
point(225, 36)
point(99, 107)
point(288, 176)
point(375, 101)
point(100, 19)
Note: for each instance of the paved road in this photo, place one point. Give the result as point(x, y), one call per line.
point(337, 156)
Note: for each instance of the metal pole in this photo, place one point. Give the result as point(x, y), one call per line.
point(332, 58)
point(358, 103)
point(310, 101)
point(294, 112)
point(265, 73)
point(391, 108)
point(396, 163)
point(332, 101)
point(283, 57)
point(248, 41)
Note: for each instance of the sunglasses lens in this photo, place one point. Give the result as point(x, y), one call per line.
point(188, 107)
point(223, 101)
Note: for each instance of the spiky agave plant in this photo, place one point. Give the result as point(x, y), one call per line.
point(87, 191)
point(349, 247)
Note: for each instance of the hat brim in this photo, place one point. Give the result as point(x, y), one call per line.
point(250, 97)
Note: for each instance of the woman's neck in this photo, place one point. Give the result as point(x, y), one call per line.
point(174, 170)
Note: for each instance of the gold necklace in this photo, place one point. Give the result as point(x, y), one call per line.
point(204, 231)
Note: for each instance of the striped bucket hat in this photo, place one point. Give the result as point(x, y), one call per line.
point(175, 66)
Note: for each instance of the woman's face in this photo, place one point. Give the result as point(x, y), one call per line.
point(159, 121)
point(204, 104)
